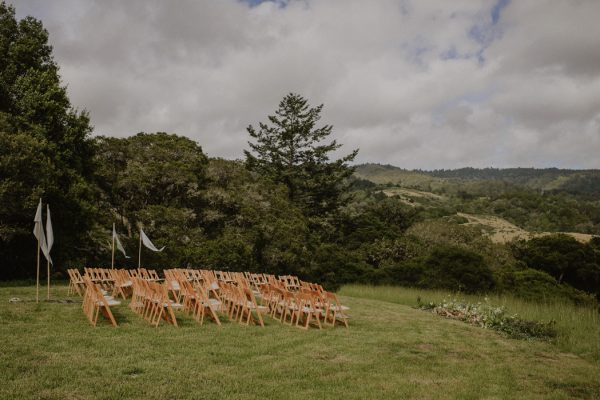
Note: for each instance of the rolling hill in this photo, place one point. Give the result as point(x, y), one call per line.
point(515, 203)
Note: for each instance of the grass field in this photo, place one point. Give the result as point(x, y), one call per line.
point(49, 351)
point(578, 327)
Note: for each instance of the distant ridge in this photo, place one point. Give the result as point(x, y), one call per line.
point(582, 182)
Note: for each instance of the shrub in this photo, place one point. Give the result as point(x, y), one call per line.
point(455, 268)
point(490, 317)
point(531, 284)
point(564, 258)
point(408, 273)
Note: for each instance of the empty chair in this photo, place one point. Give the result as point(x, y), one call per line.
point(94, 303)
point(334, 310)
point(76, 282)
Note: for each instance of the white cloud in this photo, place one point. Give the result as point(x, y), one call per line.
point(419, 84)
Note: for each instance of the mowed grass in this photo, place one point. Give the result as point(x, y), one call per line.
point(49, 351)
point(578, 327)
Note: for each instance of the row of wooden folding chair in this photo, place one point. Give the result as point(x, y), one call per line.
point(239, 303)
point(224, 276)
point(76, 282)
point(315, 303)
point(311, 286)
point(306, 305)
point(291, 307)
point(122, 283)
point(100, 276)
point(291, 282)
point(256, 280)
point(329, 304)
point(210, 279)
point(149, 275)
point(151, 301)
point(95, 302)
point(196, 300)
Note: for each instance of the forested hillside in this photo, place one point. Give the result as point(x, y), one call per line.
point(287, 208)
point(538, 200)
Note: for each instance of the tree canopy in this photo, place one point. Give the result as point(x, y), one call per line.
point(290, 149)
point(45, 149)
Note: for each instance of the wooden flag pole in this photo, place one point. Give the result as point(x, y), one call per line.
point(48, 279)
point(140, 252)
point(37, 286)
point(113, 248)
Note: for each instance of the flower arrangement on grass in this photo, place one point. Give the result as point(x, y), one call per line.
point(488, 316)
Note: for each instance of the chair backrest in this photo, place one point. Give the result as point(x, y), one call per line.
point(249, 296)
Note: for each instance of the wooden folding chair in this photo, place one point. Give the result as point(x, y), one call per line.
point(122, 283)
point(162, 305)
point(206, 305)
point(334, 310)
point(286, 307)
point(230, 299)
point(76, 282)
point(137, 303)
point(250, 305)
point(154, 275)
point(306, 308)
point(95, 303)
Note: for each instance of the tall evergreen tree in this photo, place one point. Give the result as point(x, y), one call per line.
point(45, 149)
point(291, 150)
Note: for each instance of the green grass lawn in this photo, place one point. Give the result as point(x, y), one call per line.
point(578, 327)
point(49, 351)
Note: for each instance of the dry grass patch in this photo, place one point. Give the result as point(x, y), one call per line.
point(500, 230)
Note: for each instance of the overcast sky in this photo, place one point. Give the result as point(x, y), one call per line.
point(417, 84)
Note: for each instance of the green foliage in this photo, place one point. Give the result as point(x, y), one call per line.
point(255, 211)
point(536, 285)
point(534, 199)
point(45, 150)
point(564, 258)
point(150, 169)
point(154, 181)
point(458, 269)
point(448, 232)
point(488, 316)
point(332, 266)
point(372, 220)
point(289, 150)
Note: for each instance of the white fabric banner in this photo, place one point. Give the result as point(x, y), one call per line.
point(119, 245)
point(49, 233)
point(38, 231)
point(148, 243)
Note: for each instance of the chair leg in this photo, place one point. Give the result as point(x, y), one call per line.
point(214, 315)
point(260, 319)
point(172, 316)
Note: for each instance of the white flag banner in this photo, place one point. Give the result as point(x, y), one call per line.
point(119, 245)
point(49, 233)
point(38, 231)
point(148, 243)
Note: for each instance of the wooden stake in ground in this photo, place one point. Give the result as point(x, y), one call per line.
point(49, 243)
point(140, 252)
point(113, 248)
point(48, 297)
point(38, 232)
point(37, 285)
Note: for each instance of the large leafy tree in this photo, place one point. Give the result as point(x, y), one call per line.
point(292, 150)
point(154, 180)
point(45, 150)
